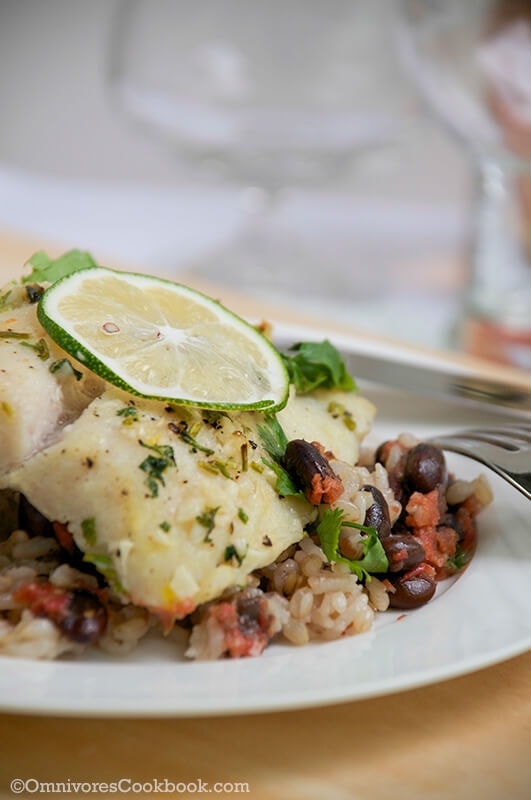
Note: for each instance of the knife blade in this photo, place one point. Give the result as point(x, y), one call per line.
point(417, 378)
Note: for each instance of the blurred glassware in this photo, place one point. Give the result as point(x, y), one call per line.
point(277, 97)
point(471, 62)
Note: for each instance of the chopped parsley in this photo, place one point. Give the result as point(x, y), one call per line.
point(41, 348)
point(181, 429)
point(155, 465)
point(317, 365)
point(243, 516)
point(88, 529)
point(208, 520)
point(215, 466)
point(374, 558)
point(231, 554)
point(129, 414)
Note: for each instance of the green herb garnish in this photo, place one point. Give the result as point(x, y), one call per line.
point(88, 529)
point(231, 554)
point(50, 270)
point(208, 520)
point(155, 465)
point(129, 414)
point(41, 348)
point(275, 442)
point(4, 305)
point(317, 365)
point(273, 437)
point(181, 429)
point(374, 558)
point(459, 560)
point(14, 335)
point(284, 484)
point(216, 465)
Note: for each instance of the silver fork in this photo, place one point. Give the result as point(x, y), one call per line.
point(506, 449)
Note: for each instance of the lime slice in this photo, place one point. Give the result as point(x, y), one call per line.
point(163, 340)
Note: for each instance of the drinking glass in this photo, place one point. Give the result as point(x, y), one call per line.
point(277, 98)
point(471, 61)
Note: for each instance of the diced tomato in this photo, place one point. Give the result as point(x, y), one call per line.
point(43, 598)
point(423, 510)
point(439, 544)
point(238, 643)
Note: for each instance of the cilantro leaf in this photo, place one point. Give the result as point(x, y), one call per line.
point(317, 365)
point(373, 559)
point(273, 437)
point(284, 485)
point(50, 270)
point(275, 442)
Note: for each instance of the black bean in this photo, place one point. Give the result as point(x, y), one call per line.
point(377, 514)
point(86, 618)
point(403, 551)
point(251, 608)
point(311, 472)
point(425, 468)
point(412, 592)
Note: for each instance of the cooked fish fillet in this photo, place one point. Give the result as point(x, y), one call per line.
point(34, 401)
point(175, 505)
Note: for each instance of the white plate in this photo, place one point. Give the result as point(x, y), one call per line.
point(480, 619)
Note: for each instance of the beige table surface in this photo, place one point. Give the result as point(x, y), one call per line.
point(465, 738)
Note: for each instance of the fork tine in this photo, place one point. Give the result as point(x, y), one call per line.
point(498, 438)
point(520, 433)
point(504, 449)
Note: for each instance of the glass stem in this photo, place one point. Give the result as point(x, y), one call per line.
point(497, 263)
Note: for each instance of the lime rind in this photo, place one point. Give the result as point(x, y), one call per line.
point(108, 368)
